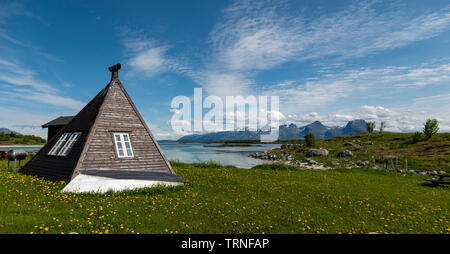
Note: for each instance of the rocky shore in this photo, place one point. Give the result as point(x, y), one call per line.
point(287, 159)
point(309, 163)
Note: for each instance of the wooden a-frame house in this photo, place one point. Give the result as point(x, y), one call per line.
point(106, 146)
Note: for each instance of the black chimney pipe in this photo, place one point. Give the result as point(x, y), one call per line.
point(115, 70)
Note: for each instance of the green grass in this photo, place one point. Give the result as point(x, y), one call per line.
point(217, 199)
point(432, 154)
point(18, 139)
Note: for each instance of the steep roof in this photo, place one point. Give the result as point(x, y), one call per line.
point(110, 111)
point(60, 121)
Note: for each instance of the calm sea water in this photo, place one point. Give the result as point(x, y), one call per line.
point(21, 148)
point(195, 152)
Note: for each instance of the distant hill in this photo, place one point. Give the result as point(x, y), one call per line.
point(9, 137)
point(8, 131)
point(286, 132)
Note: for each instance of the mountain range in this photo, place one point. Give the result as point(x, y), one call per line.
point(286, 132)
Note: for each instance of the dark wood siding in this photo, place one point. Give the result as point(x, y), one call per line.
point(53, 130)
point(118, 115)
point(61, 168)
point(55, 168)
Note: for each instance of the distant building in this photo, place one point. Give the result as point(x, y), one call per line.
point(107, 145)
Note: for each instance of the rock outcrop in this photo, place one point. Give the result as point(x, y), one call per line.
point(316, 152)
point(345, 153)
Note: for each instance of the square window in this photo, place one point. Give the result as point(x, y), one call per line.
point(123, 145)
point(64, 144)
point(59, 144)
point(69, 144)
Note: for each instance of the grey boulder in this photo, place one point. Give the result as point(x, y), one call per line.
point(345, 153)
point(316, 152)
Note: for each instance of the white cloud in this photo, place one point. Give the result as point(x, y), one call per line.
point(376, 112)
point(311, 95)
point(399, 119)
point(150, 61)
point(254, 36)
point(226, 84)
point(28, 80)
point(151, 57)
point(25, 121)
point(261, 35)
point(21, 83)
point(251, 37)
point(55, 100)
point(357, 84)
point(7, 63)
point(146, 55)
point(340, 97)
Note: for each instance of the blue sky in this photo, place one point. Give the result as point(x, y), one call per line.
point(331, 61)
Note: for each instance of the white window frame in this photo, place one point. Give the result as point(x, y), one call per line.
point(123, 145)
point(64, 151)
point(59, 144)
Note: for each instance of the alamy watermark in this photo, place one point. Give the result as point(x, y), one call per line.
point(211, 114)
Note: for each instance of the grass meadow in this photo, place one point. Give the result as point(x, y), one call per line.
point(425, 155)
point(221, 199)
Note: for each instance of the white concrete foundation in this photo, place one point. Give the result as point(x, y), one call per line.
point(89, 183)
